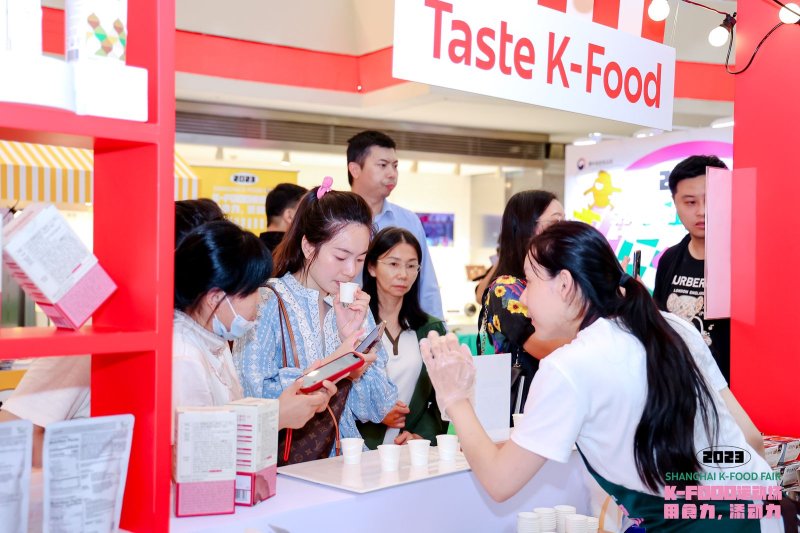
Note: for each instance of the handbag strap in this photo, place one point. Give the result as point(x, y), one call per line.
point(283, 316)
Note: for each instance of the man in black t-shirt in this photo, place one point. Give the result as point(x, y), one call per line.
point(680, 277)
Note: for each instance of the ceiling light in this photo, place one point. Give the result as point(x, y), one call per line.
point(719, 35)
point(789, 14)
point(725, 122)
point(658, 10)
point(286, 160)
point(647, 132)
point(584, 141)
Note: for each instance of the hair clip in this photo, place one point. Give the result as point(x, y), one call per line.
point(327, 183)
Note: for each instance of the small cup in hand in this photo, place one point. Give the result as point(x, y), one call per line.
point(347, 293)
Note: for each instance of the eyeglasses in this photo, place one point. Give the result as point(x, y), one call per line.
point(396, 266)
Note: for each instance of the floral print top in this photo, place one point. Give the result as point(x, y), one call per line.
point(506, 324)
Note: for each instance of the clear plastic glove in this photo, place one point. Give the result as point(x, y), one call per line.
point(450, 368)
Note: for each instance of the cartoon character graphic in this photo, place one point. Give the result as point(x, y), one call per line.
point(601, 191)
point(689, 308)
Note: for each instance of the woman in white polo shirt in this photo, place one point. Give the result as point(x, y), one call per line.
point(637, 391)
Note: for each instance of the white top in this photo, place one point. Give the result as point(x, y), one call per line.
point(403, 370)
point(53, 389)
point(592, 392)
point(202, 367)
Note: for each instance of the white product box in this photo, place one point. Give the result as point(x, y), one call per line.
point(36, 80)
point(96, 30)
point(54, 267)
point(109, 89)
point(21, 27)
point(256, 449)
point(204, 460)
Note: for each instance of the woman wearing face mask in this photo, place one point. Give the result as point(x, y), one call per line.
point(391, 278)
point(218, 270)
point(325, 246)
point(502, 319)
point(637, 390)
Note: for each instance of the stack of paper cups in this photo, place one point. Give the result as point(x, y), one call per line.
point(562, 511)
point(575, 523)
point(548, 516)
point(529, 523)
point(592, 524)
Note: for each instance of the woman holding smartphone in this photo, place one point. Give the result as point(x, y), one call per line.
point(391, 279)
point(325, 246)
point(637, 390)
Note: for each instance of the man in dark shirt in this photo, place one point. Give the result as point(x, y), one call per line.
point(680, 277)
point(281, 205)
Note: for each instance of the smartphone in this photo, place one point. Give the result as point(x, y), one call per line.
point(637, 262)
point(341, 366)
point(372, 339)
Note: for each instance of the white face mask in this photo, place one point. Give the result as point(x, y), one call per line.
point(239, 326)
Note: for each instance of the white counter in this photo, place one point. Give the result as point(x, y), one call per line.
point(454, 503)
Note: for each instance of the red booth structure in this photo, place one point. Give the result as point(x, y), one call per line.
point(131, 335)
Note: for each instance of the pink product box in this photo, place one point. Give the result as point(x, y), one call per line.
point(205, 498)
point(789, 447)
point(53, 267)
point(789, 473)
point(252, 488)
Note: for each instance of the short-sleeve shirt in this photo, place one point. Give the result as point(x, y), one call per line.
point(592, 392)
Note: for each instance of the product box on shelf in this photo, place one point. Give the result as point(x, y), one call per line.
point(21, 27)
point(789, 473)
point(204, 460)
point(96, 29)
point(53, 266)
point(256, 449)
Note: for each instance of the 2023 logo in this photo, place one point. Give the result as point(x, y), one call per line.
point(723, 456)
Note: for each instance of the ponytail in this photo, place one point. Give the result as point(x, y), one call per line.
point(676, 389)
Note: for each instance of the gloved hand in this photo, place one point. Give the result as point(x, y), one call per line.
point(450, 368)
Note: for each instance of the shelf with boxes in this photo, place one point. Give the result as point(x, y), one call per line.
point(133, 212)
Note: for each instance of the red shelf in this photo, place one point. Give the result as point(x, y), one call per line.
point(20, 343)
point(45, 125)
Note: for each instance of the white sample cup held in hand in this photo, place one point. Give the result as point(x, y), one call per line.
point(447, 446)
point(347, 293)
point(418, 449)
point(517, 419)
point(390, 457)
point(351, 450)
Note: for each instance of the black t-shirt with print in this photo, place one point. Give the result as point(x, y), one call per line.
point(685, 298)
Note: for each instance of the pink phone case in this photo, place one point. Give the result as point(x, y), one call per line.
point(333, 377)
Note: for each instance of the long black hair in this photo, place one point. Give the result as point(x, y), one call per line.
point(676, 389)
point(218, 255)
point(411, 314)
point(520, 218)
point(318, 220)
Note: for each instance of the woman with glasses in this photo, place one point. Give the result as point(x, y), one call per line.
point(391, 278)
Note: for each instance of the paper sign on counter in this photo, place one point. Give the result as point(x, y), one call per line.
point(16, 445)
point(85, 465)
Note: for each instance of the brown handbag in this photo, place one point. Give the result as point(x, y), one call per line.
point(316, 438)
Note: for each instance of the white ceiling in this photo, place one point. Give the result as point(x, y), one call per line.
point(360, 26)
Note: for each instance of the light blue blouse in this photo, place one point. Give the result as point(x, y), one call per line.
point(258, 355)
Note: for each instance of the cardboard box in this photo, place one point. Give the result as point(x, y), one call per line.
point(789, 473)
point(789, 446)
point(96, 30)
point(204, 461)
point(772, 452)
point(53, 266)
point(256, 449)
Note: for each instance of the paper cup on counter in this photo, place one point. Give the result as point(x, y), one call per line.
point(447, 446)
point(390, 457)
point(351, 450)
point(418, 449)
point(347, 293)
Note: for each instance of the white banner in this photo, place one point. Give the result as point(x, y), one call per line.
point(518, 50)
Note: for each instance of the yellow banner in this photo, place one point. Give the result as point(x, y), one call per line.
point(241, 192)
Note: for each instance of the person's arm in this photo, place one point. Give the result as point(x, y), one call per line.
point(483, 283)
point(541, 348)
point(502, 470)
point(751, 433)
point(38, 436)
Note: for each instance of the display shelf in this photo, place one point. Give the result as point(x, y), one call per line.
point(46, 125)
point(17, 343)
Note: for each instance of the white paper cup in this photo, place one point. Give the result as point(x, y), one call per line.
point(390, 457)
point(562, 511)
point(592, 522)
point(351, 450)
point(447, 446)
point(528, 522)
point(347, 292)
point(418, 449)
point(517, 419)
point(575, 523)
point(548, 516)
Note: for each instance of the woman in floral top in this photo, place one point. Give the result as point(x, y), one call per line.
point(504, 318)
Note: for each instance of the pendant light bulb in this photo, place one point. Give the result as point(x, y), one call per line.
point(658, 10)
point(789, 14)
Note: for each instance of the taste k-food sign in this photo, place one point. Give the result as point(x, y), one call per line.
point(518, 50)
